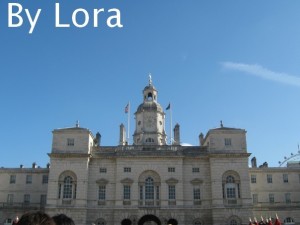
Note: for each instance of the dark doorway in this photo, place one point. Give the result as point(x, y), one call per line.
point(126, 222)
point(172, 222)
point(149, 218)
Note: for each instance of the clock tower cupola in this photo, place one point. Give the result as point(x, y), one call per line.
point(150, 119)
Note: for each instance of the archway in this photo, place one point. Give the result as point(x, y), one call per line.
point(172, 222)
point(151, 219)
point(126, 222)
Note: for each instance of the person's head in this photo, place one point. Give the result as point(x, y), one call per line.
point(36, 218)
point(62, 219)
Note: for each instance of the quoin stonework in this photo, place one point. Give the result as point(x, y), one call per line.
point(152, 181)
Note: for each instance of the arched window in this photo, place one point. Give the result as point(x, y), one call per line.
point(197, 222)
point(67, 186)
point(149, 188)
point(100, 222)
point(231, 187)
point(233, 222)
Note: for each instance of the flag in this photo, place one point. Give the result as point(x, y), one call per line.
point(169, 106)
point(127, 108)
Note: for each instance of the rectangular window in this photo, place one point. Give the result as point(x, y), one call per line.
point(43, 199)
point(171, 169)
point(255, 198)
point(141, 193)
point(230, 191)
point(172, 192)
point(287, 198)
point(196, 170)
point(10, 199)
point(271, 198)
point(102, 170)
point(197, 193)
point(26, 199)
point(227, 141)
point(126, 192)
point(28, 179)
point(285, 178)
point(269, 178)
point(12, 179)
point(67, 190)
point(101, 193)
point(253, 179)
point(127, 169)
point(70, 142)
point(45, 179)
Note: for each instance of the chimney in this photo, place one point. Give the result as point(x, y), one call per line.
point(201, 139)
point(48, 165)
point(97, 140)
point(177, 134)
point(21, 166)
point(122, 140)
point(253, 162)
point(34, 165)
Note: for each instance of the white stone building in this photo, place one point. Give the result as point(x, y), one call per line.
point(151, 182)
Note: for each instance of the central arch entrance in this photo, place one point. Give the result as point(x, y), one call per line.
point(149, 220)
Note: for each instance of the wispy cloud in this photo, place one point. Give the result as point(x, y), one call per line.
point(259, 71)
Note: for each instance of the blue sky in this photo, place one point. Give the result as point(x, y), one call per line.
point(235, 61)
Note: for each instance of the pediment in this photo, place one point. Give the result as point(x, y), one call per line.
point(127, 181)
point(172, 180)
point(196, 181)
point(102, 181)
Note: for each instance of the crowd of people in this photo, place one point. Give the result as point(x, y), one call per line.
point(42, 218)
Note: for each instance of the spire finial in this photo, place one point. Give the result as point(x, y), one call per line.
point(150, 79)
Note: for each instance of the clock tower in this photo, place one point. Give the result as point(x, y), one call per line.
point(150, 119)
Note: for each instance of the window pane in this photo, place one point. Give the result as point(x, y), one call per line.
point(285, 178)
point(101, 193)
point(68, 186)
point(12, 179)
point(26, 198)
point(253, 179)
point(172, 193)
point(269, 178)
point(45, 179)
point(230, 192)
point(149, 188)
point(28, 179)
point(196, 193)
point(255, 198)
point(126, 192)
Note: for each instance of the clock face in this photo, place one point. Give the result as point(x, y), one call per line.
point(150, 121)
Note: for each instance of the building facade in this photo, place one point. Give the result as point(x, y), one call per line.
point(151, 182)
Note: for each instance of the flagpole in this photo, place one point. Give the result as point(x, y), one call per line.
point(171, 126)
point(128, 122)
